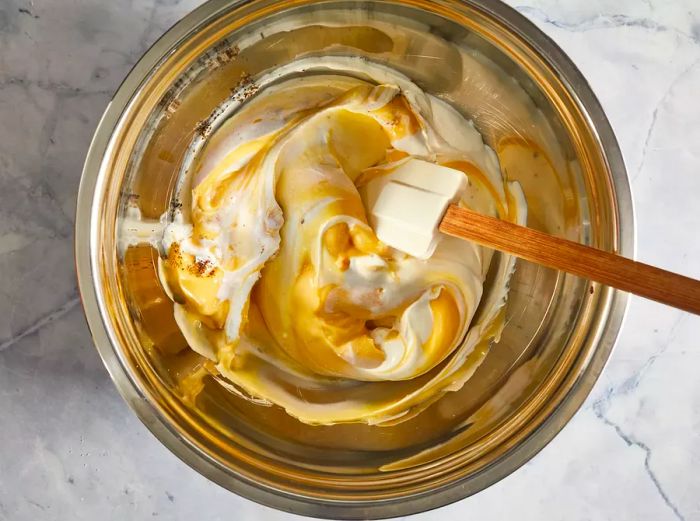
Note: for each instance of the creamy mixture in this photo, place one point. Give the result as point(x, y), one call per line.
point(280, 282)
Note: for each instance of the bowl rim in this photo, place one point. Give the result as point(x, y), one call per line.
point(93, 304)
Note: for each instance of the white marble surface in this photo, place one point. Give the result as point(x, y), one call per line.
point(71, 449)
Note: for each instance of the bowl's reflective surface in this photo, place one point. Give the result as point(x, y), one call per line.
point(550, 135)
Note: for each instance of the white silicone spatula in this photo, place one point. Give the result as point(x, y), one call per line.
point(413, 205)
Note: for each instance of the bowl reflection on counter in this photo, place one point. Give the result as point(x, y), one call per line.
point(532, 107)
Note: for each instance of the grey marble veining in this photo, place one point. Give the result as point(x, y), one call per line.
point(71, 449)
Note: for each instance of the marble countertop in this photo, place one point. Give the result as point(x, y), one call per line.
point(70, 448)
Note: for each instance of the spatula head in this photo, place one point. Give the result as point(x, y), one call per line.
point(406, 206)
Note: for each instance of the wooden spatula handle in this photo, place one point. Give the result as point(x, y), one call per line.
point(610, 269)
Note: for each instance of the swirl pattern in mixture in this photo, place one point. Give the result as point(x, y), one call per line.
point(279, 280)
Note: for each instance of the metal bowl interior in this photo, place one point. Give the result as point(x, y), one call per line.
point(532, 107)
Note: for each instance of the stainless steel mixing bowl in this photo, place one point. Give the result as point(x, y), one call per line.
point(532, 106)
